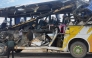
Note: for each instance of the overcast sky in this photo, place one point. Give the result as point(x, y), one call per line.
point(8, 3)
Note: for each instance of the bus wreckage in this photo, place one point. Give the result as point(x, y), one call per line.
point(72, 35)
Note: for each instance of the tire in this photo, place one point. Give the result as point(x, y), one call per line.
point(78, 50)
point(3, 50)
point(18, 51)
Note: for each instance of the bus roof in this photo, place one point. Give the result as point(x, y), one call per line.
point(34, 9)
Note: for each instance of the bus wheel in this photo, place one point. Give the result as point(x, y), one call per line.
point(3, 50)
point(78, 49)
point(18, 51)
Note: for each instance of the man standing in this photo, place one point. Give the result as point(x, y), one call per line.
point(10, 46)
point(53, 21)
point(30, 35)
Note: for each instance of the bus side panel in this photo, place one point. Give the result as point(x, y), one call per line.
point(90, 43)
point(73, 31)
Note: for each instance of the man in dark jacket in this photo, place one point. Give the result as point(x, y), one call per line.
point(10, 46)
point(4, 24)
point(53, 21)
point(30, 35)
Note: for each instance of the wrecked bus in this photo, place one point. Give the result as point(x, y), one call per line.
point(72, 35)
